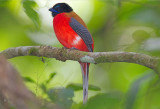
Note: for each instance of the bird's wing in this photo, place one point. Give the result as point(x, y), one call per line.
point(82, 32)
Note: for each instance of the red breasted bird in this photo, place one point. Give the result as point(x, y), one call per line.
point(72, 33)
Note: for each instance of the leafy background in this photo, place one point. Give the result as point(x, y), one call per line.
point(116, 25)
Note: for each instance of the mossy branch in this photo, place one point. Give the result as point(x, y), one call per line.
point(90, 57)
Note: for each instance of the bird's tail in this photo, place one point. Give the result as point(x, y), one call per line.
point(85, 74)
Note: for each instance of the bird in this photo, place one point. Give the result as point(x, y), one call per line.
point(72, 32)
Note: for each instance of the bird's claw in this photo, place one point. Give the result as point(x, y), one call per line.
point(73, 48)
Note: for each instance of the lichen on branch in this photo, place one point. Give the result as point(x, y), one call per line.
point(90, 57)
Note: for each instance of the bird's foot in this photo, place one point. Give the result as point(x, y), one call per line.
point(64, 48)
point(73, 48)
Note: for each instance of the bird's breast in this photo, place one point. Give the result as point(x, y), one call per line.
point(65, 34)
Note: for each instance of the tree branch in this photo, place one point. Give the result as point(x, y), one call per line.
point(90, 57)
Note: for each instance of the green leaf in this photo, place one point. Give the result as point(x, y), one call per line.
point(51, 76)
point(140, 36)
point(29, 6)
point(104, 101)
point(43, 87)
point(135, 88)
point(28, 79)
point(92, 87)
point(77, 87)
point(61, 96)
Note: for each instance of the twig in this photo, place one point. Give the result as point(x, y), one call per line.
point(13, 92)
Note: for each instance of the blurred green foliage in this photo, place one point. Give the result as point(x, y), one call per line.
point(116, 25)
point(77, 87)
point(28, 6)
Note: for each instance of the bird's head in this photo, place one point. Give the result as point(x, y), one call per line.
point(60, 8)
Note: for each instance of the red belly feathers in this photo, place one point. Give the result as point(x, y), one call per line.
point(66, 35)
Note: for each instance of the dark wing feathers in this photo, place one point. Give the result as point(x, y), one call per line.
point(82, 32)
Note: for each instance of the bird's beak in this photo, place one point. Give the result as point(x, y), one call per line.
point(52, 10)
